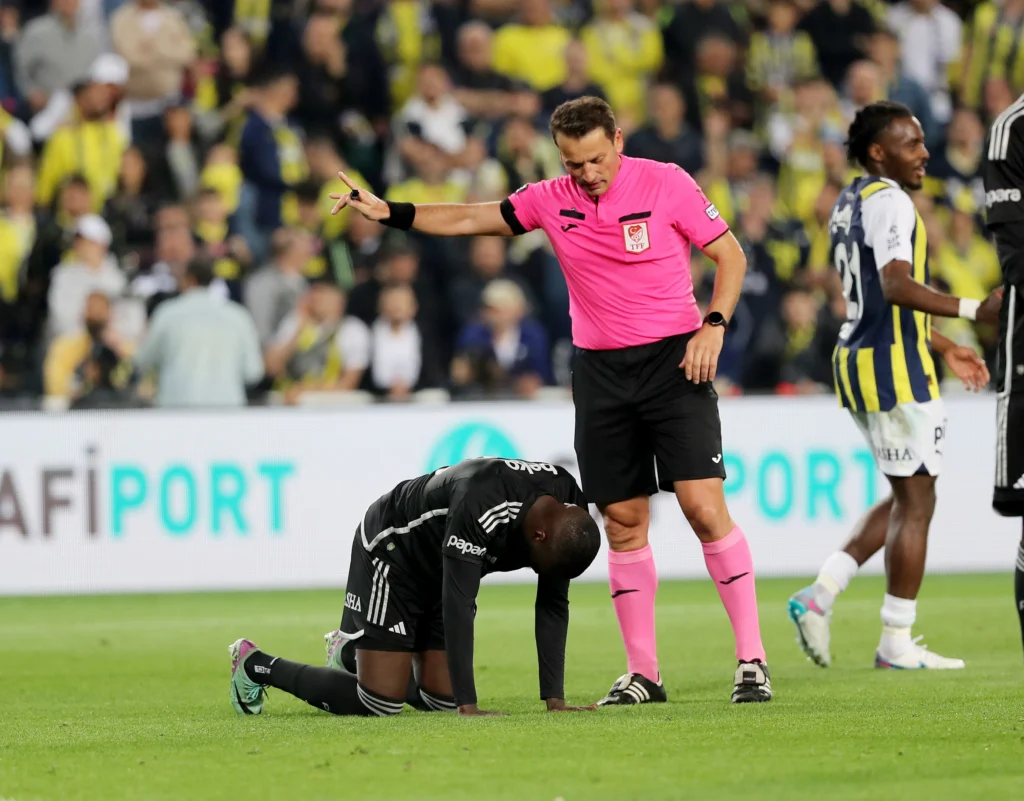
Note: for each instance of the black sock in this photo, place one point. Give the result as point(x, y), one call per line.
point(1018, 588)
point(257, 667)
point(335, 691)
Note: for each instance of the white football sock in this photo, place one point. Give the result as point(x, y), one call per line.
point(835, 576)
point(898, 616)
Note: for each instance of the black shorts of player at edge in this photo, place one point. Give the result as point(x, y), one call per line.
point(1008, 495)
point(636, 411)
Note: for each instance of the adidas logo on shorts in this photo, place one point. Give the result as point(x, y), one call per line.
point(398, 628)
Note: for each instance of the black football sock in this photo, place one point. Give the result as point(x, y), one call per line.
point(335, 691)
point(1018, 587)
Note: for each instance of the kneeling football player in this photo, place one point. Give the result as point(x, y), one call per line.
point(418, 556)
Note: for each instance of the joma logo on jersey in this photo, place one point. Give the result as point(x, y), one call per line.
point(530, 467)
point(464, 547)
point(636, 237)
point(352, 602)
point(1002, 196)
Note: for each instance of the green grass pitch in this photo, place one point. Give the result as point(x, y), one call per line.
point(115, 698)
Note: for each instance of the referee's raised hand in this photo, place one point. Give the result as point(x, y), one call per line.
point(363, 201)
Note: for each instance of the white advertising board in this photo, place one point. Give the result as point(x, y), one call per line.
point(165, 501)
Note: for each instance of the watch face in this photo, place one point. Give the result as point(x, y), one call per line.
point(716, 318)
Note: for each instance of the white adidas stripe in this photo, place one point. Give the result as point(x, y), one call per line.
point(379, 594)
point(373, 589)
point(501, 508)
point(380, 708)
point(500, 520)
point(999, 139)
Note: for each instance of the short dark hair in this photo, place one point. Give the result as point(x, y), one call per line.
point(577, 544)
point(267, 73)
point(868, 125)
point(308, 192)
point(576, 118)
point(76, 179)
point(200, 270)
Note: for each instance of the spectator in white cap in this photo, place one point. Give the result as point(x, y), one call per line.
point(108, 70)
point(88, 268)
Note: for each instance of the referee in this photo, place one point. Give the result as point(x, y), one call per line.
point(1004, 204)
point(646, 411)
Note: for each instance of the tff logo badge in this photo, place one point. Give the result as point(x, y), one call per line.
point(118, 498)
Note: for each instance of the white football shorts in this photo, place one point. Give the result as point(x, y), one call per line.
point(907, 438)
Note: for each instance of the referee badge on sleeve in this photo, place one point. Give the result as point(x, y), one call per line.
point(636, 237)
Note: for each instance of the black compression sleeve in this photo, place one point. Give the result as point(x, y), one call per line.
point(461, 584)
point(551, 622)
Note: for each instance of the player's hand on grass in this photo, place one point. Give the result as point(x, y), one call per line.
point(988, 312)
point(362, 200)
point(473, 711)
point(558, 705)
point(701, 360)
point(968, 366)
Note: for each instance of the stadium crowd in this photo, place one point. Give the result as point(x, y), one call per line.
point(151, 148)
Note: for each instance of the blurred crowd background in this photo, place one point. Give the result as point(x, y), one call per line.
point(162, 158)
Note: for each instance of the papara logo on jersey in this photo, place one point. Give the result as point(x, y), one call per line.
point(1002, 196)
point(464, 547)
point(471, 441)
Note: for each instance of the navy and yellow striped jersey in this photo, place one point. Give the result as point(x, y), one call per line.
point(883, 357)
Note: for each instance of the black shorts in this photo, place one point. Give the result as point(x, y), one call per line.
point(386, 609)
point(1008, 498)
point(635, 410)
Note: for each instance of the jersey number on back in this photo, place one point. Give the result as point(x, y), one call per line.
point(847, 261)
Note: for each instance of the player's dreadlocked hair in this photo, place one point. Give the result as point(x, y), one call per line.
point(578, 542)
point(868, 125)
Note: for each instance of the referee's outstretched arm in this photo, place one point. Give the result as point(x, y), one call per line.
point(439, 219)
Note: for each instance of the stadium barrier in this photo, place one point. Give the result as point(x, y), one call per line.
point(169, 501)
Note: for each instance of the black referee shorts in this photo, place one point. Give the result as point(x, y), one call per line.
point(386, 609)
point(635, 411)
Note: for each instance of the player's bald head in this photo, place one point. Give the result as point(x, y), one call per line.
point(575, 542)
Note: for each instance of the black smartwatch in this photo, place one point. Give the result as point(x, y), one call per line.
point(717, 319)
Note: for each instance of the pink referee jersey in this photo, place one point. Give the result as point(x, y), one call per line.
point(626, 254)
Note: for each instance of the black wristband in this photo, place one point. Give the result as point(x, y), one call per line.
point(401, 217)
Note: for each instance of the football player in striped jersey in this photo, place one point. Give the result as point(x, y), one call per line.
point(885, 377)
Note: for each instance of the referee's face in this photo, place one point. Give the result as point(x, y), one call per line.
point(592, 160)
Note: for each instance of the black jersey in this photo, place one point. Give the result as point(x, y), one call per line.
point(1004, 167)
point(447, 529)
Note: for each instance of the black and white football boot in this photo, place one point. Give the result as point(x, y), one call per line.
point(753, 683)
point(632, 688)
